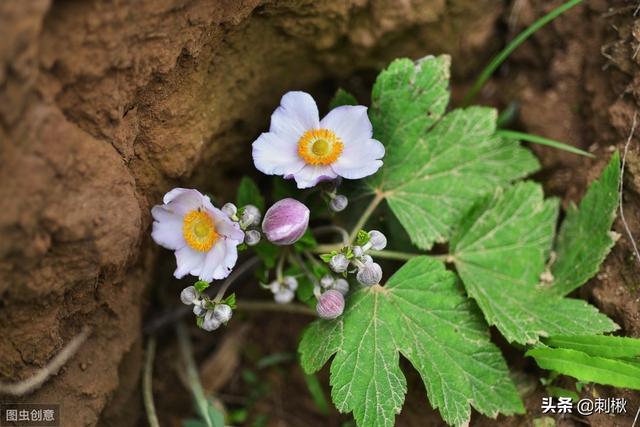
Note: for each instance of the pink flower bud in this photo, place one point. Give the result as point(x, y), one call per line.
point(330, 305)
point(285, 222)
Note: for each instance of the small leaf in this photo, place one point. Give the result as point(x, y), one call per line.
point(201, 285)
point(601, 370)
point(231, 301)
point(598, 345)
point(500, 251)
point(362, 238)
point(422, 314)
point(249, 194)
point(585, 238)
point(436, 165)
point(342, 97)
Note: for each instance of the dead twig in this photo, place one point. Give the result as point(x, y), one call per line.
point(36, 381)
point(621, 187)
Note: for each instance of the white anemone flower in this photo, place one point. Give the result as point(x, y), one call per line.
point(203, 237)
point(301, 146)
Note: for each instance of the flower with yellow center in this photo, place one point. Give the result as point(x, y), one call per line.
point(301, 146)
point(204, 239)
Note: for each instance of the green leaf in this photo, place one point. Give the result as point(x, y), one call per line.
point(598, 345)
point(362, 238)
point(342, 97)
point(249, 194)
point(500, 251)
point(267, 252)
point(585, 237)
point(231, 301)
point(436, 165)
point(201, 285)
point(601, 370)
point(422, 314)
point(317, 394)
point(306, 242)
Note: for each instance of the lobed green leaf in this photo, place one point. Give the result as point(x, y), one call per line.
point(597, 345)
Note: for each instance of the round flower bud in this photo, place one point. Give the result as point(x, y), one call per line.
point(330, 305)
point(274, 286)
point(283, 296)
point(198, 310)
point(210, 322)
point(366, 259)
point(252, 237)
point(189, 295)
point(369, 274)
point(338, 203)
point(290, 282)
point(339, 263)
point(357, 251)
point(285, 222)
point(377, 240)
point(250, 216)
point(229, 209)
point(341, 285)
point(223, 313)
point(327, 281)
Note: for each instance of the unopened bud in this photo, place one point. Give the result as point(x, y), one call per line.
point(229, 209)
point(250, 216)
point(341, 285)
point(327, 281)
point(189, 295)
point(290, 282)
point(338, 203)
point(357, 251)
point(366, 259)
point(274, 286)
point(283, 296)
point(198, 310)
point(369, 274)
point(330, 305)
point(210, 322)
point(223, 313)
point(285, 222)
point(252, 237)
point(339, 263)
point(377, 240)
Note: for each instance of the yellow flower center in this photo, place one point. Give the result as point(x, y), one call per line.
point(199, 231)
point(320, 147)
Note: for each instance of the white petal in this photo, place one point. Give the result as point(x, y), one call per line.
point(168, 232)
point(274, 155)
point(224, 226)
point(188, 261)
point(182, 200)
point(219, 261)
point(310, 175)
point(296, 114)
point(349, 122)
point(360, 159)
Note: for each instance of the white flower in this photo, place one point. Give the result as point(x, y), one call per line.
point(203, 237)
point(301, 146)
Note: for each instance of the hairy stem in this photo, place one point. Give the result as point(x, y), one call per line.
point(247, 265)
point(147, 376)
point(192, 373)
point(379, 197)
point(248, 305)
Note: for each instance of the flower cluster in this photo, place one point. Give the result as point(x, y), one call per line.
point(299, 146)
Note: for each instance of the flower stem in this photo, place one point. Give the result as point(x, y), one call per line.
point(247, 265)
point(504, 54)
point(325, 229)
point(192, 374)
point(248, 305)
point(406, 256)
point(379, 197)
point(147, 390)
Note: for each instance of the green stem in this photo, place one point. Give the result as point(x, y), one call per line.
point(246, 305)
point(192, 374)
point(406, 256)
point(365, 215)
point(510, 134)
point(504, 54)
point(147, 377)
point(280, 266)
